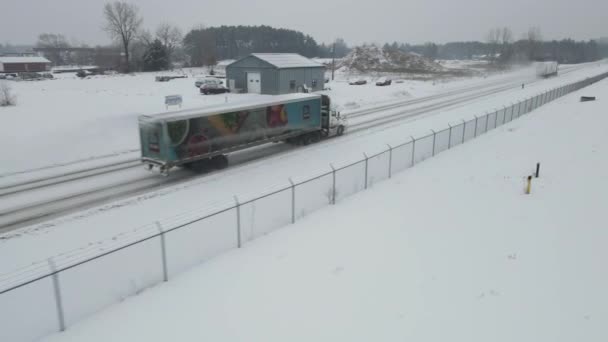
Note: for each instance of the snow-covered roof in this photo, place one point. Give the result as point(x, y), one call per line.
point(258, 101)
point(224, 62)
point(287, 60)
point(23, 59)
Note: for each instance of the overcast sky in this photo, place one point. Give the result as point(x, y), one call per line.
point(414, 21)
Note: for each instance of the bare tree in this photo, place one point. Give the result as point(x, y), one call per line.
point(170, 36)
point(145, 37)
point(122, 23)
point(534, 38)
point(55, 45)
point(6, 97)
point(506, 36)
point(493, 39)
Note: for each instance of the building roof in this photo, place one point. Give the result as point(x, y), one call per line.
point(287, 60)
point(224, 63)
point(256, 102)
point(23, 59)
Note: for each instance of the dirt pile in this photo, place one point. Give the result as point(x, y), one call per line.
point(373, 58)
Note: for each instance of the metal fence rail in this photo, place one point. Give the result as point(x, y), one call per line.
point(47, 298)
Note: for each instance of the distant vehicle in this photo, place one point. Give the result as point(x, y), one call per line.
point(82, 73)
point(200, 81)
point(213, 88)
point(384, 82)
point(358, 82)
point(30, 76)
point(199, 139)
point(546, 69)
point(168, 78)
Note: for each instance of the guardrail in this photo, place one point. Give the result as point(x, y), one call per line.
point(47, 298)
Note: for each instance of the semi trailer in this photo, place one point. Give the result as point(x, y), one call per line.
point(200, 139)
point(546, 69)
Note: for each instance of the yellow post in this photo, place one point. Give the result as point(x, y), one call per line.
point(529, 185)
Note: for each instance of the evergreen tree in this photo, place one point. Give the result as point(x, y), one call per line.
point(156, 57)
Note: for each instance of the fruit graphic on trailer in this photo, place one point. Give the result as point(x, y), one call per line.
point(276, 116)
point(197, 145)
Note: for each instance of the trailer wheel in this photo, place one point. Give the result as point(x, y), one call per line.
point(315, 137)
point(340, 130)
point(220, 162)
point(306, 139)
point(200, 166)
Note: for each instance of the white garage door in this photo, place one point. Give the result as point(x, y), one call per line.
point(254, 82)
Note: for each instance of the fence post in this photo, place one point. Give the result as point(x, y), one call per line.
point(450, 137)
point(333, 188)
point(293, 201)
point(475, 126)
point(464, 127)
point(413, 149)
point(163, 249)
point(518, 109)
point(434, 137)
point(238, 222)
point(57, 289)
point(487, 121)
point(504, 111)
point(390, 160)
point(366, 159)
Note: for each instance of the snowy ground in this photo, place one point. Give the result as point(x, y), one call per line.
point(70, 119)
point(103, 225)
point(66, 120)
point(449, 250)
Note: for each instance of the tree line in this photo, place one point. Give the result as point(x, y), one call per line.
point(501, 48)
point(160, 49)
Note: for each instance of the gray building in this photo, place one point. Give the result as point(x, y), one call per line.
point(275, 73)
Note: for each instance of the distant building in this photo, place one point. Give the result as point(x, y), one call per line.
point(24, 64)
point(220, 67)
point(275, 73)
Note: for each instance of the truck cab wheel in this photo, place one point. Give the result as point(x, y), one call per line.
point(315, 137)
point(340, 130)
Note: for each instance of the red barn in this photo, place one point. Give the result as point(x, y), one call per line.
point(24, 64)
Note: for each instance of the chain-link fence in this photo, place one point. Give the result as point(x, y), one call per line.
point(46, 298)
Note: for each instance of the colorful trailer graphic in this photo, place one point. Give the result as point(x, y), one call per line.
point(177, 139)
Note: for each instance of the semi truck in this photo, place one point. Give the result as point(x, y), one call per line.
point(546, 69)
point(199, 139)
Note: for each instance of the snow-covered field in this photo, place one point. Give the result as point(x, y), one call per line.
point(449, 250)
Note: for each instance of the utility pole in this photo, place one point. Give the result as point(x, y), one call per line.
point(333, 60)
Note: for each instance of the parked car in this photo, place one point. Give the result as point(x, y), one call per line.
point(213, 88)
point(384, 82)
point(199, 82)
point(358, 82)
point(30, 76)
